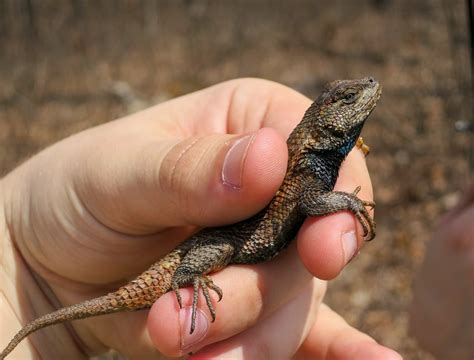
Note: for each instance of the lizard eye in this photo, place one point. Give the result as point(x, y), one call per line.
point(349, 97)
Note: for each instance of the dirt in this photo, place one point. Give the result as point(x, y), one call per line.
point(68, 66)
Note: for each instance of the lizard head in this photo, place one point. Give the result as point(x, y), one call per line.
point(340, 111)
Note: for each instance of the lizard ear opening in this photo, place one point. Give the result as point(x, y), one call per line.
point(324, 98)
point(336, 131)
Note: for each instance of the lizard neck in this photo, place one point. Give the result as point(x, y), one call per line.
point(327, 154)
point(350, 141)
point(324, 165)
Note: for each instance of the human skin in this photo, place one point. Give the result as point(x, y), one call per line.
point(442, 313)
point(95, 209)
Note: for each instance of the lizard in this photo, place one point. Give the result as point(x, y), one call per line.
point(329, 129)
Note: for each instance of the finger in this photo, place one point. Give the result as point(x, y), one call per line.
point(206, 181)
point(332, 338)
point(276, 337)
point(234, 107)
point(251, 293)
point(174, 163)
point(326, 244)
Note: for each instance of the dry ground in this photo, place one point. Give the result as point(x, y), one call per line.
point(66, 66)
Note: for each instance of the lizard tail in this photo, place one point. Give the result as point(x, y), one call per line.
point(94, 307)
point(138, 294)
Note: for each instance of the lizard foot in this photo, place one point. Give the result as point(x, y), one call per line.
point(205, 283)
point(370, 204)
point(358, 208)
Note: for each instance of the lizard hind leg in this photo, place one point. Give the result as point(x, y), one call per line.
point(199, 261)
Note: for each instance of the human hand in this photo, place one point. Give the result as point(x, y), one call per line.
point(97, 208)
point(442, 313)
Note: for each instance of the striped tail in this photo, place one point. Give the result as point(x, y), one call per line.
point(94, 307)
point(140, 293)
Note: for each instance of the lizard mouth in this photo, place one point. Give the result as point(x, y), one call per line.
point(373, 99)
point(371, 102)
point(379, 92)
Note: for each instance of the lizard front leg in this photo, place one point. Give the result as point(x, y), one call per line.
point(199, 261)
point(316, 204)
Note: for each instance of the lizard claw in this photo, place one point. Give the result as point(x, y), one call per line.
point(175, 288)
point(370, 204)
point(357, 206)
point(368, 224)
point(205, 283)
point(356, 190)
point(214, 287)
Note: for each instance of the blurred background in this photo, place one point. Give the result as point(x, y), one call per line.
point(66, 66)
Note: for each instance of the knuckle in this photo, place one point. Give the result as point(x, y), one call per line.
point(182, 169)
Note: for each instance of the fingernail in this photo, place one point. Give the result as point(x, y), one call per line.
point(200, 331)
point(234, 162)
point(349, 245)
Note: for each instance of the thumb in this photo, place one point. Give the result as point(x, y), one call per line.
point(204, 181)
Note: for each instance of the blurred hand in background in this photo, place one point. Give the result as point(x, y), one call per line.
point(442, 314)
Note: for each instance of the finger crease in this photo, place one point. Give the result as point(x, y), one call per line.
point(180, 156)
